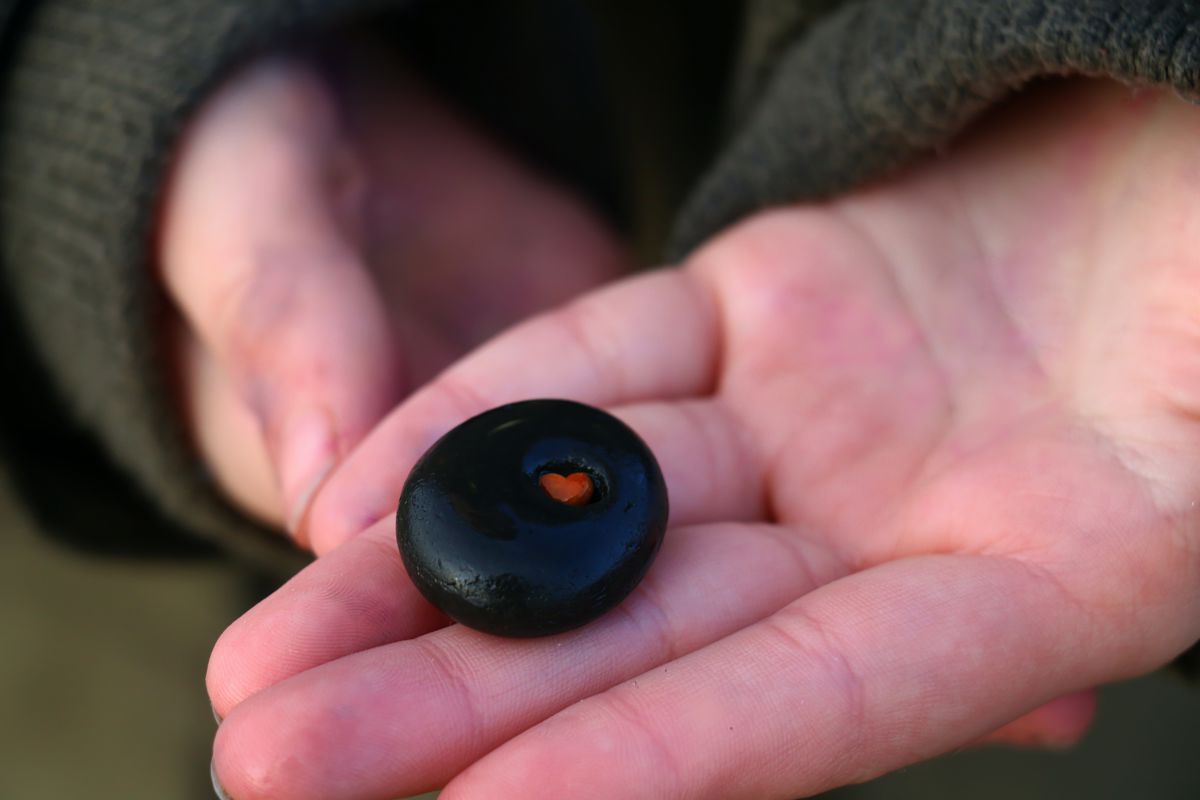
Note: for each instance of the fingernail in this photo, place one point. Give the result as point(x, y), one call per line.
point(216, 716)
point(307, 454)
point(217, 787)
point(1058, 744)
point(300, 506)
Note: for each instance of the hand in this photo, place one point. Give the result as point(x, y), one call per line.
point(934, 462)
point(331, 250)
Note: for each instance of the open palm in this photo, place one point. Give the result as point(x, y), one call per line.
point(932, 459)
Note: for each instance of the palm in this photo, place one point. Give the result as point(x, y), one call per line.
point(929, 455)
point(915, 370)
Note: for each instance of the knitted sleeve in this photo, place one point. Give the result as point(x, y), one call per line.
point(829, 101)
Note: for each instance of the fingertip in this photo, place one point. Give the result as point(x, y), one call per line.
point(224, 678)
point(1058, 725)
point(251, 762)
point(279, 745)
point(351, 600)
point(365, 726)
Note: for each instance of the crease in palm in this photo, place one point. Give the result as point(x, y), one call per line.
point(931, 454)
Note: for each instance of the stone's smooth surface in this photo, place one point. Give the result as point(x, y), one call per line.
point(485, 543)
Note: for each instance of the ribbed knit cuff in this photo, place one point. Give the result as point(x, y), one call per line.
point(880, 82)
point(94, 95)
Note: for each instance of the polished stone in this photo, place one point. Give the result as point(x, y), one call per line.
point(484, 541)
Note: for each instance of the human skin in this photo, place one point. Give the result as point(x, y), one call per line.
point(934, 461)
point(333, 235)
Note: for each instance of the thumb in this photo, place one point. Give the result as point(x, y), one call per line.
point(258, 250)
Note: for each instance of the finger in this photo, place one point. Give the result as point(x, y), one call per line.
point(257, 250)
point(352, 599)
point(226, 433)
point(870, 673)
point(278, 638)
point(653, 337)
point(404, 718)
point(709, 463)
point(1056, 725)
point(359, 596)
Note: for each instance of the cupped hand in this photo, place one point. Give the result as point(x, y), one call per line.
point(334, 236)
point(934, 462)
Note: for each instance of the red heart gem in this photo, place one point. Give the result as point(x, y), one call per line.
point(574, 489)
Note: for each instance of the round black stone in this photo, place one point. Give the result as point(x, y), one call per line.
point(485, 543)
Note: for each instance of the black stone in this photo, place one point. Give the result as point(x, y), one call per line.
point(488, 546)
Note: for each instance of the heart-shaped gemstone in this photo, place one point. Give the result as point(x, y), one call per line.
point(574, 489)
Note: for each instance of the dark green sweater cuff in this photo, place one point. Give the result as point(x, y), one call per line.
point(94, 95)
point(877, 83)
